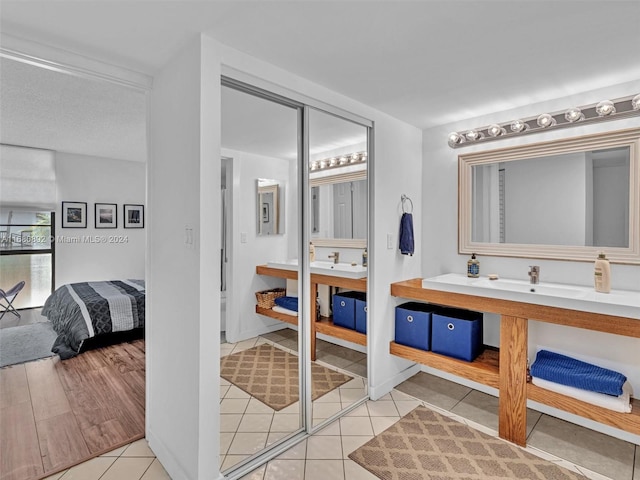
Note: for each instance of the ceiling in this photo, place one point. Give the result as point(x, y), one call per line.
point(425, 62)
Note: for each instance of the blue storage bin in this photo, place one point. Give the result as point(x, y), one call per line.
point(457, 333)
point(344, 310)
point(413, 325)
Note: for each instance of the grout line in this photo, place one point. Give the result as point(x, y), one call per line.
point(535, 425)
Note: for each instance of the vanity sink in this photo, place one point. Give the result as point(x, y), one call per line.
point(345, 270)
point(618, 302)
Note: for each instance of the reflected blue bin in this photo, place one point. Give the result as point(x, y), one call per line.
point(413, 324)
point(361, 312)
point(457, 333)
point(344, 310)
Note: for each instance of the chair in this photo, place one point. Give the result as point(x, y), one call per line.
point(9, 296)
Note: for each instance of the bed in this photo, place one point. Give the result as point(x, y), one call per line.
point(82, 312)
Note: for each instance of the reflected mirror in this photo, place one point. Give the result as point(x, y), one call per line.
point(565, 199)
point(268, 216)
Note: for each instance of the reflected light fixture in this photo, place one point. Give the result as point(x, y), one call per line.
point(573, 115)
point(605, 110)
point(340, 161)
point(545, 120)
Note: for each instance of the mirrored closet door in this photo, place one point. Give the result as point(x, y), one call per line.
point(338, 225)
point(260, 365)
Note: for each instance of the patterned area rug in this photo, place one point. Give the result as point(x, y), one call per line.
point(271, 375)
point(424, 445)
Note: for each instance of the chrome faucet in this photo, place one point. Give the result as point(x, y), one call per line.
point(335, 256)
point(534, 274)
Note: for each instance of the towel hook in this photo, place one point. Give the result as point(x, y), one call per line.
point(403, 199)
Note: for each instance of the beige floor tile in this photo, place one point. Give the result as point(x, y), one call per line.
point(229, 422)
point(332, 429)
point(115, 453)
point(349, 396)
point(90, 470)
point(380, 424)
point(382, 408)
point(225, 441)
point(244, 345)
point(273, 437)
point(297, 452)
point(156, 472)
point(285, 469)
point(324, 448)
point(139, 448)
point(224, 382)
point(385, 398)
point(235, 392)
point(636, 471)
point(356, 426)
point(355, 383)
point(324, 470)
point(332, 360)
point(352, 443)
point(234, 405)
point(357, 369)
point(332, 396)
point(285, 422)
point(325, 410)
point(232, 460)
point(55, 476)
point(223, 391)
point(293, 408)
point(353, 471)
point(434, 390)
point(256, 406)
point(257, 474)
point(405, 407)
point(399, 396)
point(247, 443)
point(127, 468)
point(598, 452)
point(258, 422)
point(361, 411)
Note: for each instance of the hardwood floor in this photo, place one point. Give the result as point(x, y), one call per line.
point(55, 414)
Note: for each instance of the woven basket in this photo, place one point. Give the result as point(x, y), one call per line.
point(266, 298)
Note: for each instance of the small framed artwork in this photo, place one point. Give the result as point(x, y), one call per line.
point(133, 216)
point(106, 215)
point(74, 214)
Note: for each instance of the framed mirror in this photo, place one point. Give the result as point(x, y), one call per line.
point(268, 207)
point(565, 199)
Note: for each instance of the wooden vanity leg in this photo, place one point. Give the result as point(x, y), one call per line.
point(313, 293)
point(513, 380)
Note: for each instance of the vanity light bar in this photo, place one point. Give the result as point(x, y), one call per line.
point(605, 110)
point(338, 161)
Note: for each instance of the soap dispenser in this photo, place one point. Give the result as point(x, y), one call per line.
point(473, 267)
point(312, 252)
point(364, 258)
point(602, 274)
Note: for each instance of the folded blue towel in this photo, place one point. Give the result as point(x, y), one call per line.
point(574, 373)
point(290, 303)
point(406, 241)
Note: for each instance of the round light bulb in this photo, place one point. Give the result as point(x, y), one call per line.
point(455, 139)
point(333, 162)
point(323, 164)
point(495, 130)
point(574, 115)
point(545, 120)
point(473, 135)
point(315, 165)
point(635, 102)
point(518, 126)
point(605, 108)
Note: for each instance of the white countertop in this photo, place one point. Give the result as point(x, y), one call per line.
point(621, 303)
point(344, 270)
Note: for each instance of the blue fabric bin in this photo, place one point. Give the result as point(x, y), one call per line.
point(361, 312)
point(457, 333)
point(413, 325)
point(344, 310)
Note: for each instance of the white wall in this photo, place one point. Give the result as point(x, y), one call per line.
point(120, 252)
point(183, 303)
point(440, 233)
point(242, 320)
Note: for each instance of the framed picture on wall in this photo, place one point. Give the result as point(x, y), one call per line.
point(106, 215)
point(133, 216)
point(74, 214)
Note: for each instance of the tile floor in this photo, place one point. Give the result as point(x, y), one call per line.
point(325, 455)
point(248, 425)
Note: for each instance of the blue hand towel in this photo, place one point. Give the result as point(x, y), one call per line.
point(290, 303)
point(406, 242)
point(574, 373)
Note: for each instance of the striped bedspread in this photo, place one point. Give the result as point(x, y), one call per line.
point(78, 311)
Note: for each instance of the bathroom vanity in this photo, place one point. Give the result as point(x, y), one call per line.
point(322, 273)
point(506, 369)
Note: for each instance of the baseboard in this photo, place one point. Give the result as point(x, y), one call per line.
point(379, 391)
